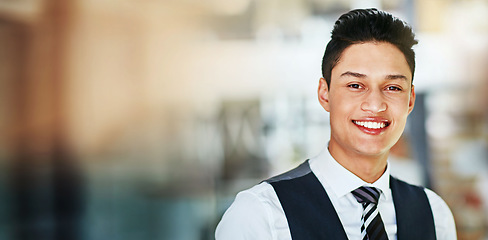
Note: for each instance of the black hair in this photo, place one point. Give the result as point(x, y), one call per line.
point(368, 25)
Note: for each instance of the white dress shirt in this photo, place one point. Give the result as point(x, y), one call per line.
point(256, 213)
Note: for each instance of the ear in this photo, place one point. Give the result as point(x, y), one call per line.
point(323, 94)
point(411, 102)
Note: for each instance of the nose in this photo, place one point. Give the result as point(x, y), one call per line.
point(374, 102)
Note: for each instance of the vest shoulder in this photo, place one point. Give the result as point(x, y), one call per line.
point(396, 181)
point(300, 171)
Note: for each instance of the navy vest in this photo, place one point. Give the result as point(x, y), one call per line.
point(310, 213)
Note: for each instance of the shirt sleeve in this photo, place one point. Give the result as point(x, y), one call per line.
point(445, 227)
point(247, 218)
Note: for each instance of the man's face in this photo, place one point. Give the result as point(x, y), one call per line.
point(369, 99)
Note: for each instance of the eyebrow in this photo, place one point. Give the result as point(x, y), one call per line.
point(396, 76)
point(360, 75)
point(353, 74)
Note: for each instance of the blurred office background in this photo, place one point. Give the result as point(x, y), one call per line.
point(142, 119)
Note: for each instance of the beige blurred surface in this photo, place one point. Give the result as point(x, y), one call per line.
point(142, 119)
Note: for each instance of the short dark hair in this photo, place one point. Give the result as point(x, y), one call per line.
point(367, 25)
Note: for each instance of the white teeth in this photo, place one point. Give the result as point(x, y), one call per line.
point(372, 125)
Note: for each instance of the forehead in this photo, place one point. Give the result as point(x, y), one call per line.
point(373, 59)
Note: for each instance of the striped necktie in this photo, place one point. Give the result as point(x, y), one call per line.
point(372, 227)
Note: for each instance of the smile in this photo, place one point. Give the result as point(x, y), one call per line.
point(371, 124)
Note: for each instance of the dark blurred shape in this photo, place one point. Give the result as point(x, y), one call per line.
point(244, 155)
point(68, 194)
point(418, 134)
point(46, 181)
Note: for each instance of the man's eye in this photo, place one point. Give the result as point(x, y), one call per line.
point(394, 88)
point(354, 85)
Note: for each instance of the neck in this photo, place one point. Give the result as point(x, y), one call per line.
point(367, 167)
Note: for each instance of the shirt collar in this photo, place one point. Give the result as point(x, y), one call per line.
point(341, 180)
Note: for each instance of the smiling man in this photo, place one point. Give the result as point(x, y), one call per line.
point(346, 192)
point(369, 101)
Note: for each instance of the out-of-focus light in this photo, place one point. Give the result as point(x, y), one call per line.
point(27, 11)
point(356, 4)
point(226, 7)
point(440, 126)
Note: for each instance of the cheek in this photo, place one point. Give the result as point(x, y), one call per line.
point(399, 107)
point(340, 112)
point(344, 104)
point(400, 117)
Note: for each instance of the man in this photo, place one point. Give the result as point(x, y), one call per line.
point(346, 192)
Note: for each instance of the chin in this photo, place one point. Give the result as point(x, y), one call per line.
point(373, 150)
